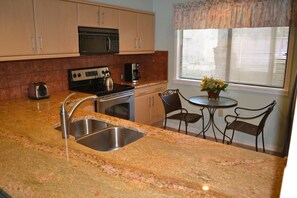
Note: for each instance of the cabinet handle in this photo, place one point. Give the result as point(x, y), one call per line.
point(98, 18)
point(33, 43)
point(139, 43)
point(136, 43)
point(41, 43)
point(103, 18)
point(153, 101)
point(150, 101)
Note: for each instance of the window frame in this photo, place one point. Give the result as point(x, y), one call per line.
point(240, 87)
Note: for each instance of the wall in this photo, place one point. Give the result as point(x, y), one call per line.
point(16, 75)
point(275, 129)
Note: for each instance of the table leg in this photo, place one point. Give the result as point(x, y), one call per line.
point(211, 123)
point(203, 128)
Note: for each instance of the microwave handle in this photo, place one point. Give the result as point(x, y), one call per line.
point(108, 44)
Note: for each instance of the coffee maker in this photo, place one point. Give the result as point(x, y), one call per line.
point(132, 72)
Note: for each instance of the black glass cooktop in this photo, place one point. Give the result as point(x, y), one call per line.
point(101, 90)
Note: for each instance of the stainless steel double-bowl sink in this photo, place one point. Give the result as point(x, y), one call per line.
point(102, 136)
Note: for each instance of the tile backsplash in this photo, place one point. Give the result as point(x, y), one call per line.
point(15, 76)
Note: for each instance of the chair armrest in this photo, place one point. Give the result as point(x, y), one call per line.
point(238, 109)
point(236, 117)
point(252, 109)
point(183, 109)
point(228, 117)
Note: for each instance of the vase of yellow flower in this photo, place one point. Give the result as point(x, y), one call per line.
point(213, 87)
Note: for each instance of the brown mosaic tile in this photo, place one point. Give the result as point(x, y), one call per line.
point(13, 80)
point(25, 78)
point(13, 68)
point(38, 76)
point(3, 81)
point(4, 94)
point(15, 92)
point(15, 76)
point(25, 67)
point(3, 67)
point(54, 87)
point(24, 90)
point(64, 85)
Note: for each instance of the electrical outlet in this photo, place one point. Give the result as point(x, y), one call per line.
point(221, 113)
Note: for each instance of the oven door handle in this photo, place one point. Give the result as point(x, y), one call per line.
point(115, 98)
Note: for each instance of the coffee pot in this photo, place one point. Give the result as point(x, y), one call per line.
point(132, 72)
point(108, 82)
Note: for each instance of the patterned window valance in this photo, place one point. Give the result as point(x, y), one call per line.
point(222, 14)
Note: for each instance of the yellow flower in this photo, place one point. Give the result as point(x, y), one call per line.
point(211, 84)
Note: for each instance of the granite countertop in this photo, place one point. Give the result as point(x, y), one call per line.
point(164, 163)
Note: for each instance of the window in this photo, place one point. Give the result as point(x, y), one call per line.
point(249, 56)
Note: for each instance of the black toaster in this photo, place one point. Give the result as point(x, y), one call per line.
point(38, 90)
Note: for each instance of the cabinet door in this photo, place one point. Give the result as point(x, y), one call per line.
point(17, 31)
point(88, 15)
point(157, 109)
point(128, 31)
point(56, 26)
point(109, 18)
point(146, 32)
point(142, 109)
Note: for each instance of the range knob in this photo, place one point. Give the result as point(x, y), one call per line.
point(74, 75)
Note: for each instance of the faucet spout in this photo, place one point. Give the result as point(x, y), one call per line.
point(66, 116)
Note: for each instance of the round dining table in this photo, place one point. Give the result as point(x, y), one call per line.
point(212, 105)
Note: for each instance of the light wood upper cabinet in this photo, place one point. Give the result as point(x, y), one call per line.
point(88, 15)
point(17, 31)
point(146, 32)
point(109, 18)
point(137, 32)
point(31, 29)
point(95, 16)
point(128, 31)
point(56, 26)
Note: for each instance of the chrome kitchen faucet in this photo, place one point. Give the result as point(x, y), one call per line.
point(66, 117)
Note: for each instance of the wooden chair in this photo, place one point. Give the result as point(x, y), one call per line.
point(174, 110)
point(238, 122)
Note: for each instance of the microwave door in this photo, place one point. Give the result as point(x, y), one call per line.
point(92, 44)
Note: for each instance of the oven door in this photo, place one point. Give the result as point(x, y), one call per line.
point(119, 105)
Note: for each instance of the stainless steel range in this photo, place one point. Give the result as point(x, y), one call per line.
point(113, 99)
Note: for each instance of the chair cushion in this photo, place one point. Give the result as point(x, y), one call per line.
point(191, 117)
point(244, 127)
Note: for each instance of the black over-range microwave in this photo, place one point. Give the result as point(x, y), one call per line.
point(98, 41)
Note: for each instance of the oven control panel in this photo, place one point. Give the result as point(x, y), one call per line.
point(89, 73)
